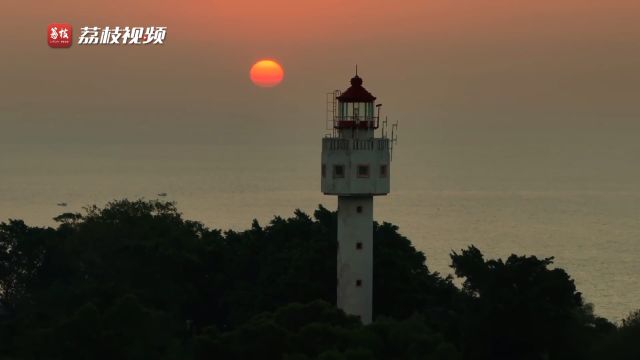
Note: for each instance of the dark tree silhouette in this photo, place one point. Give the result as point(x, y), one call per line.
point(521, 309)
point(622, 343)
point(134, 280)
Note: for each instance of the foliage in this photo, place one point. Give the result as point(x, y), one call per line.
point(320, 331)
point(135, 280)
point(522, 309)
point(621, 344)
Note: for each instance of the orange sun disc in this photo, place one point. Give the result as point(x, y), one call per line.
point(266, 73)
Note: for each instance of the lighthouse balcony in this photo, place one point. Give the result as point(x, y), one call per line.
point(335, 143)
point(356, 122)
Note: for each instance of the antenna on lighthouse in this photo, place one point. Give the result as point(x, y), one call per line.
point(394, 137)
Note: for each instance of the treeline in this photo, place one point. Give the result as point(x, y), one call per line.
point(134, 280)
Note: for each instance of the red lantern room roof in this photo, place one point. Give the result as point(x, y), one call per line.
point(356, 93)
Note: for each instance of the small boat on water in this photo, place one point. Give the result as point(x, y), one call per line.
point(62, 204)
point(162, 194)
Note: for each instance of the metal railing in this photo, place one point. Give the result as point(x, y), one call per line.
point(331, 143)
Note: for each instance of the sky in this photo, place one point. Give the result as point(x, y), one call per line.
point(471, 64)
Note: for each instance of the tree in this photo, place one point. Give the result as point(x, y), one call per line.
point(622, 343)
point(521, 309)
point(135, 280)
point(402, 282)
point(318, 330)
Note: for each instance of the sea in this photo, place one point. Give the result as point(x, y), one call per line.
point(569, 194)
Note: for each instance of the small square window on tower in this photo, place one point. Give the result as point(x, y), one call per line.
point(358, 283)
point(324, 170)
point(338, 171)
point(359, 246)
point(363, 171)
point(383, 171)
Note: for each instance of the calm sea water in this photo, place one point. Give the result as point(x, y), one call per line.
point(572, 196)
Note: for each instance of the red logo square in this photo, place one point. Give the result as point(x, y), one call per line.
point(59, 35)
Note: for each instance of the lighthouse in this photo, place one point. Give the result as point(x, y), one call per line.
point(356, 159)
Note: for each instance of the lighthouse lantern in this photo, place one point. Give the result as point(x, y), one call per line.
point(356, 107)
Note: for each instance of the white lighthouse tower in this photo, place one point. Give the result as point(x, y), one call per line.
point(355, 167)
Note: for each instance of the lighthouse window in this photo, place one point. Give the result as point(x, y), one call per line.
point(363, 171)
point(338, 171)
point(324, 170)
point(359, 246)
point(359, 209)
point(358, 283)
point(383, 171)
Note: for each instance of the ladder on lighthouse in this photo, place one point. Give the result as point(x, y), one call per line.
point(332, 111)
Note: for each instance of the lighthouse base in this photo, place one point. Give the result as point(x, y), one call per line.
point(355, 256)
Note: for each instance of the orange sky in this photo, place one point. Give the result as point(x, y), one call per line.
point(463, 61)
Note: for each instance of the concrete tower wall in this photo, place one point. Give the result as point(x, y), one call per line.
point(349, 154)
point(355, 256)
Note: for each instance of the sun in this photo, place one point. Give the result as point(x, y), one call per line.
point(266, 73)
